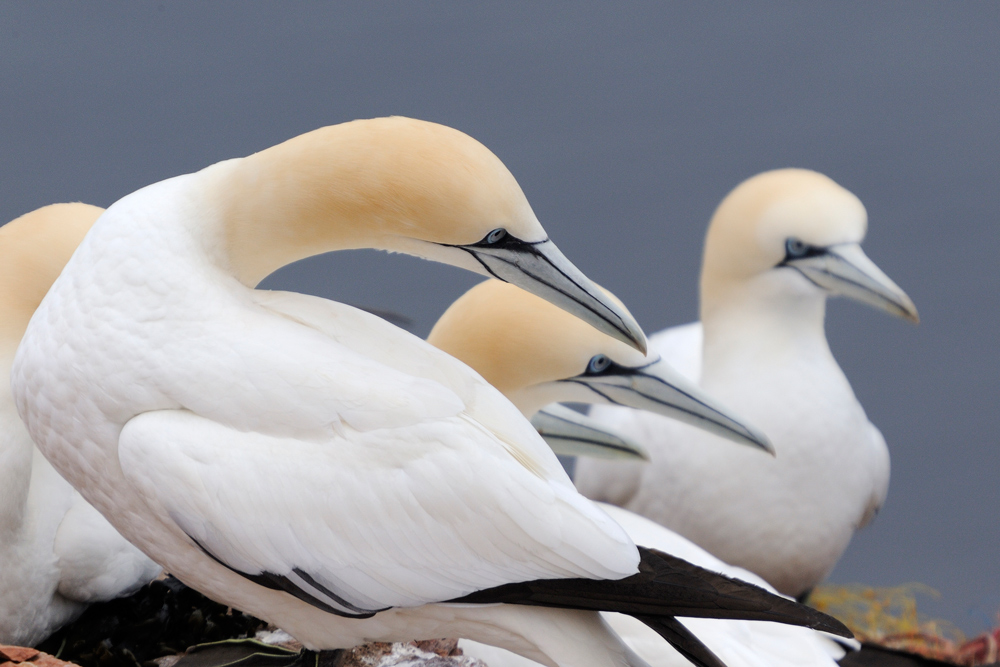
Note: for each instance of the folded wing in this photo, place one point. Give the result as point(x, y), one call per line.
point(355, 520)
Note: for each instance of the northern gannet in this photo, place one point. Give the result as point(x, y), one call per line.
point(537, 354)
point(57, 553)
point(777, 247)
point(339, 491)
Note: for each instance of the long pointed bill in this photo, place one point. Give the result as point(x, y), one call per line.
point(570, 433)
point(659, 388)
point(845, 269)
point(540, 268)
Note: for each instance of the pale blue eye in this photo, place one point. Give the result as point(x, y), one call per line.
point(795, 248)
point(496, 235)
point(598, 364)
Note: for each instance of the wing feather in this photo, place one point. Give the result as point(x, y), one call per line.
point(366, 520)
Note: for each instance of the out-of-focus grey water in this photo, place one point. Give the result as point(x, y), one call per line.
point(625, 125)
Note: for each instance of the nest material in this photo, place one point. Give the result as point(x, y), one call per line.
point(888, 617)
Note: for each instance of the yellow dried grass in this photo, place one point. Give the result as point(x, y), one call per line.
point(889, 617)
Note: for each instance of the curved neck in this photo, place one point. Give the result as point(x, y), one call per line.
point(390, 184)
point(283, 205)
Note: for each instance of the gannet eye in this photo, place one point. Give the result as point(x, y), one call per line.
point(598, 364)
point(495, 236)
point(796, 248)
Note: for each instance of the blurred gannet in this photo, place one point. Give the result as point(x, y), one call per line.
point(777, 247)
point(339, 491)
point(538, 353)
point(57, 553)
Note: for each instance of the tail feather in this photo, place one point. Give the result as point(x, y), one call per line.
point(682, 639)
point(665, 586)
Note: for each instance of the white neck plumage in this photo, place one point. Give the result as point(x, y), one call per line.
point(763, 323)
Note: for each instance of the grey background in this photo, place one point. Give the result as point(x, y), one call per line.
point(625, 125)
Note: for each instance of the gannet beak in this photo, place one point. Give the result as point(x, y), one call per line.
point(570, 433)
point(845, 269)
point(540, 268)
point(658, 388)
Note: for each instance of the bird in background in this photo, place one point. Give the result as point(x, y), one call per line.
point(777, 247)
point(57, 553)
point(311, 464)
point(536, 354)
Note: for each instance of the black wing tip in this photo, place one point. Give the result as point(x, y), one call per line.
point(778, 608)
point(664, 586)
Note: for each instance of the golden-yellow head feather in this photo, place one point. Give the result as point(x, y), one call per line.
point(34, 248)
point(748, 232)
point(368, 183)
point(516, 340)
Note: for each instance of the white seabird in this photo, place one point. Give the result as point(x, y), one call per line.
point(538, 353)
point(57, 553)
point(376, 491)
point(777, 247)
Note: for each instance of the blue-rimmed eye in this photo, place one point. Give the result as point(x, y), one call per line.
point(598, 364)
point(496, 236)
point(796, 248)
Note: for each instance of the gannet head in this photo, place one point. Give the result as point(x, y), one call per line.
point(537, 354)
point(795, 233)
point(34, 248)
point(409, 186)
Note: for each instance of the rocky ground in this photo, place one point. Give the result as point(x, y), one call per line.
point(167, 624)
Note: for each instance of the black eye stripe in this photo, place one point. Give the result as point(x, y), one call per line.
point(798, 249)
point(501, 238)
point(498, 238)
point(606, 367)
